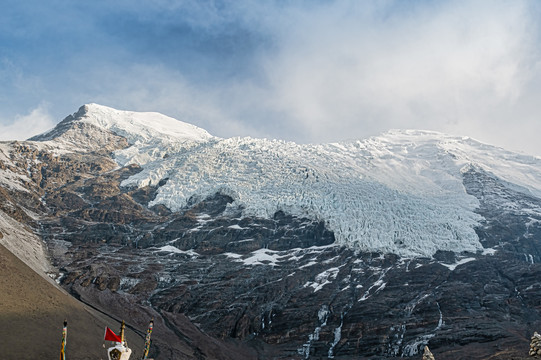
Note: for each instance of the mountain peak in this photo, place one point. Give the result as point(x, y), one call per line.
point(93, 119)
point(141, 125)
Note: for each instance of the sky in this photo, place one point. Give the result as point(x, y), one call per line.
point(308, 71)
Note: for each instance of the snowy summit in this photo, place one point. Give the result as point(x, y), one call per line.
point(401, 192)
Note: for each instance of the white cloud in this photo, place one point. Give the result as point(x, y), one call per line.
point(321, 70)
point(349, 69)
point(35, 122)
point(143, 87)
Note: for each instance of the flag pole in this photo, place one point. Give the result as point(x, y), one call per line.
point(122, 326)
point(147, 340)
point(64, 340)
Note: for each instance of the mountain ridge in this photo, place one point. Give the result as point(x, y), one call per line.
point(416, 173)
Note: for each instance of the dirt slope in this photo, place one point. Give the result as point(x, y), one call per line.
point(32, 311)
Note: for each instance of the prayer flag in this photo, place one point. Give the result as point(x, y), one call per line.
point(64, 340)
point(111, 336)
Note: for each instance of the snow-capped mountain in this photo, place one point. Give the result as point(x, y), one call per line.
point(253, 248)
point(401, 192)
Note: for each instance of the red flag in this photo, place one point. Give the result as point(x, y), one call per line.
point(111, 336)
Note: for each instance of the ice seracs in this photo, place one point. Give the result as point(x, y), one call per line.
point(401, 192)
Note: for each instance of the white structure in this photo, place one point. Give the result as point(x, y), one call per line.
point(120, 351)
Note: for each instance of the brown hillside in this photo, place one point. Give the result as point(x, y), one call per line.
point(32, 311)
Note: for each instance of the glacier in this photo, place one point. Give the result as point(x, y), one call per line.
point(400, 192)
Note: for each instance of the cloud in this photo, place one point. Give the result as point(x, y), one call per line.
point(308, 71)
point(350, 69)
point(25, 126)
point(143, 87)
point(327, 71)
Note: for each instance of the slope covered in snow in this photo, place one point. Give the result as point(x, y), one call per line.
point(401, 192)
point(142, 126)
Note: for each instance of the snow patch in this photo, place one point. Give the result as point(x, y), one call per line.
point(308, 264)
point(263, 257)
point(452, 267)
point(379, 285)
point(172, 249)
point(322, 279)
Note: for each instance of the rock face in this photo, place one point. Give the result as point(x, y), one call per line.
point(224, 284)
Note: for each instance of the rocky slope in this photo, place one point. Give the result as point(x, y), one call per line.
point(244, 248)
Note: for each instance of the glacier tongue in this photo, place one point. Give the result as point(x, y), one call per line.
point(400, 193)
point(373, 197)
